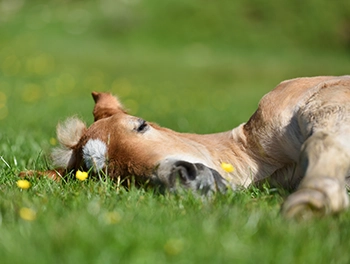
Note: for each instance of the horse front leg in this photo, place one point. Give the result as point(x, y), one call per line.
point(56, 174)
point(324, 162)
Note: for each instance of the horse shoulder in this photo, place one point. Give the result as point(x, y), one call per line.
point(273, 129)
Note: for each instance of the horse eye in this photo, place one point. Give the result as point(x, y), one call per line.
point(142, 126)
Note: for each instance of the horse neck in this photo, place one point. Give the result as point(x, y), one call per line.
point(233, 147)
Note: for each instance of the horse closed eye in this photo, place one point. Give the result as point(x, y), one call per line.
point(142, 126)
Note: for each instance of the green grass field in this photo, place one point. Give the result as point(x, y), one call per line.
point(194, 66)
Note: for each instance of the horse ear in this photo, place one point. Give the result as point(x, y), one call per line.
point(106, 105)
point(95, 95)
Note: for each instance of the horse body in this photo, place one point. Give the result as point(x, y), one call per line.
point(297, 138)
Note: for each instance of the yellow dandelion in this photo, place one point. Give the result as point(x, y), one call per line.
point(27, 214)
point(81, 175)
point(23, 184)
point(53, 141)
point(227, 167)
point(174, 246)
point(113, 217)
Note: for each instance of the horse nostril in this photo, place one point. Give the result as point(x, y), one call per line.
point(186, 170)
point(193, 176)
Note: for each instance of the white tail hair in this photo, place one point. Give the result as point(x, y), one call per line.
point(68, 134)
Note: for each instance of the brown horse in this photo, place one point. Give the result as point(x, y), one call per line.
point(298, 138)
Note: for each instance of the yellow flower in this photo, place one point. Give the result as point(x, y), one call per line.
point(227, 167)
point(81, 175)
point(27, 214)
point(174, 246)
point(113, 217)
point(23, 184)
point(53, 141)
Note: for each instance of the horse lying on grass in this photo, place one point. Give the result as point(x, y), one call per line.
point(298, 138)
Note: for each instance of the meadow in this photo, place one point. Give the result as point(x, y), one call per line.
point(192, 66)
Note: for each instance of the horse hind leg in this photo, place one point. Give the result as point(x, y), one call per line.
point(324, 162)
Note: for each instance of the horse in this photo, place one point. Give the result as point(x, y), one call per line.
point(297, 139)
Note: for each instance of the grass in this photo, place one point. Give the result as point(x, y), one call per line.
point(169, 65)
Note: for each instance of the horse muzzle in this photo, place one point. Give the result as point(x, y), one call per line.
point(178, 174)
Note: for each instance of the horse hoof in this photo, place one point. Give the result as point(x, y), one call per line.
point(316, 197)
point(305, 204)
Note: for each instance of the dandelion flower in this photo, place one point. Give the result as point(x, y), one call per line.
point(112, 218)
point(23, 184)
point(53, 141)
point(81, 175)
point(27, 214)
point(227, 167)
point(174, 246)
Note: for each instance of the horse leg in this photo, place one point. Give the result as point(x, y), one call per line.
point(324, 162)
point(55, 175)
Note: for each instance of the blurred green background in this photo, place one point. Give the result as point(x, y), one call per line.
point(191, 65)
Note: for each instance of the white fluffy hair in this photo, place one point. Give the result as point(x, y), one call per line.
point(94, 154)
point(68, 134)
